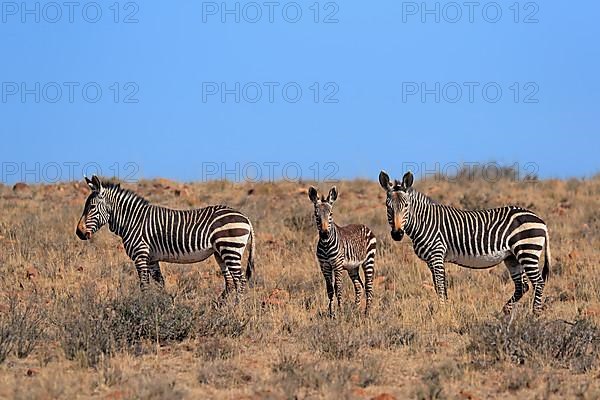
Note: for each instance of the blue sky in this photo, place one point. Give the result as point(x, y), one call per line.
point(382, 86)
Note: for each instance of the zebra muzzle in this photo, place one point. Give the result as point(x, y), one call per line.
point(83, 235)
point(397, 235)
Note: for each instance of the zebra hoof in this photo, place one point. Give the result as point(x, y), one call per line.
point(507, 309)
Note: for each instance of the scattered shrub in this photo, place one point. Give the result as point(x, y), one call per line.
point(92, 328)
point(518, 379)
point(432, 379)
point(211, 349)
point(524, 340)
point(230, 320)
point(21, 328)
point(296, 378)
point(222, 374)
point(344, 340)
point(154, 387)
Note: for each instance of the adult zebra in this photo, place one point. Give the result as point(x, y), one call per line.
point(152, 233)
point(472, 239)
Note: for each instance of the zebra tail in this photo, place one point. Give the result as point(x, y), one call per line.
point(250, 266)
point(547, 256)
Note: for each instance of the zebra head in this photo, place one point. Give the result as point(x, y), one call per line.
point(397, 201)
point(323, 209)
point(96, 211)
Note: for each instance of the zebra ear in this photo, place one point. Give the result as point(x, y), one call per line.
point(407, 180)
point(89, 182)
point(332, 196)
point(312, 194)
point(96, 184)
point(384, 180)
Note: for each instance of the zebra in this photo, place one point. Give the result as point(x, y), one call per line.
point(343, 247)
point(152, 233)
point(473, 239)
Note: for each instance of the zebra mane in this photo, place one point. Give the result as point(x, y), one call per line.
point(116, 189)
point(420, 197)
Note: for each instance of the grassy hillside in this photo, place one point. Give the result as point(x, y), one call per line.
point(73, 323)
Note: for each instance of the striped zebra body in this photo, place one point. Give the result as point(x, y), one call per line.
point(473, 239)
point(152, 234)
point(343, 248)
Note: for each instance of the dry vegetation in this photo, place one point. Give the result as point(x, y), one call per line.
point(74, 324)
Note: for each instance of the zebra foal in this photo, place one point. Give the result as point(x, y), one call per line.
point(152, 234)
point(473, 239)
point(343, 247)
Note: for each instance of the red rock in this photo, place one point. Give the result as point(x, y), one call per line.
point(116, 395)
point(277, 297)
point(20, 186)
point(591, 311)
point(31, 272)
point(467, 395)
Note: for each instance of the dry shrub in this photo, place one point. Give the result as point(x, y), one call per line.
point(153, 387)
point(297, 379)
point(345, 339)
point(519, 378)
point(223, 374)
point(228, 320)
point(55, 385)
point(21, 328)
point(211, 349)
point(527, 340)
point(92, 328)
point(152, 315)
point(432, 386)
point(110, 373)
point(301, 222)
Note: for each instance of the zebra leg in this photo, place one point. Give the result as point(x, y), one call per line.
point(229, 284)
point(338, 285)
point(438, 273)
point(234, 266)
point(157, 275)
point(369, 271)
point(535, 277)
point(327, 274)
point(141, 265)
point(358, 285)
point(518, 276)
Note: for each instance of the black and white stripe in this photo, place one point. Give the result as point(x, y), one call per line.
point(343, 247)
point(472, 239)
point(152, 233)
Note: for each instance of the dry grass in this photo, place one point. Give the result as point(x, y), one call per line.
point(74, 325)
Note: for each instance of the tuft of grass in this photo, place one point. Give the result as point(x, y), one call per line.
point(154, 387)
point(432, 380)
point(228, 320)
point(21, 328)
point(216, 348)
point(338, 340)
point(92, 328)
point(526, 340)
point(223, 374)
point(298, 379)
